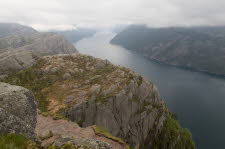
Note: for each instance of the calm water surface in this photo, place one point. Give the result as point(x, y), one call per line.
point(198, 99)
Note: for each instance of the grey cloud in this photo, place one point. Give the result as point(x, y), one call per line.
point(62, 14)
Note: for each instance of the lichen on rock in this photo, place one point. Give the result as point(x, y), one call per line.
point(17, 111)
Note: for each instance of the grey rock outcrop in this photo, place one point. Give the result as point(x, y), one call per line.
point(17, 110)
point(61, 132)
point(50, 44)
point(67, 76)
point(80, 143)
point(115, 99)
point(124, 103)
point(39, 43)
point(132, 114)
point(20, 51)
point(12, 61)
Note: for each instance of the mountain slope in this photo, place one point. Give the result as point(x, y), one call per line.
point(7, 29)
point(91, 91)
point(40, 43)
point(20, 51)
point(76, 35)
point(199, 48)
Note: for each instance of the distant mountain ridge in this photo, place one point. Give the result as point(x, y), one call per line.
point(20, 46)
point(7, 29)
point(199, 48)
point(77, 34)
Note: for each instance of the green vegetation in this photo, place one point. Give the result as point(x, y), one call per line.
point(102, 99)
point(49, 135)
point(70, 146)
point(42, 83)
point(80, 122)
point(135, 99)
point(13, 141)
point(140, 80)
point(33, 80)
point(55, 116)
point(144, 107)
point(105, 133)
point(107, 69)
point(53, 147)
point(173, 135)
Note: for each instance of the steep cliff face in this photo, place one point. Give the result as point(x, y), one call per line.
point(19, 124)
point(199, 48)
point(91, 91)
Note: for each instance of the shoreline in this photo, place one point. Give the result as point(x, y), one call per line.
point(218, 75)
point(187, 68)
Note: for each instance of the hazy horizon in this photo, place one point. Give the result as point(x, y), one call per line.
point(62, 15)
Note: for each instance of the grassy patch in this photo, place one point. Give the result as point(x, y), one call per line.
point(29, 80)
point(135, 99)
point(105, 133)
point(154, 105)
point(13, 141)
point(102, 99)
point(55, 116)
point(140, 80)
point(70, 146)
point(49, 135)
point(80, 122)
point(107, 69)
point(53, 147)
point(143, 106)
point(35, 81)
point(173, 135)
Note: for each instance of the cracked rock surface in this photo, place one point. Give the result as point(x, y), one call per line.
point(17, 110)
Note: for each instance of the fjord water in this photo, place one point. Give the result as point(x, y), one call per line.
point(198, 99)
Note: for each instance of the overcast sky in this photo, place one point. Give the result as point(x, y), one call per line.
point(63, 14)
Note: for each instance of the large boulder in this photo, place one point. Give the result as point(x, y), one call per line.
point(17, 111)
point(131, 113)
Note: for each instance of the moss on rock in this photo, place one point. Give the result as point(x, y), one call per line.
point(13, 141)
point(105, 133)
